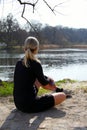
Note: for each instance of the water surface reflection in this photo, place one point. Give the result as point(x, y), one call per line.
point(59, 63)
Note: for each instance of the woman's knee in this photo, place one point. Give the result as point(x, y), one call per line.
point(59, 97)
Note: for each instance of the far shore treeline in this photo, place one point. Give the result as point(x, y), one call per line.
point(13, 35)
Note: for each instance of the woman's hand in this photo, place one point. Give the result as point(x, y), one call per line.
point(51, 85)
point(51, 81)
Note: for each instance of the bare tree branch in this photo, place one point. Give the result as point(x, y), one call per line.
point(22, 15)
point(49, 6)
point(28, 3)
point(33, 4)
point(58, 4)
point(27, 19)
point(53, 9)
point(24, 3)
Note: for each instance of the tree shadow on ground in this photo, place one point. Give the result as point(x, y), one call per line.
point(80, 128)
point(17, 120)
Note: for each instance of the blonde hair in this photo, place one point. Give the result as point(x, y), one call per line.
point(31, 47)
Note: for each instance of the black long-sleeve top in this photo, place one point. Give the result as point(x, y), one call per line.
point(24, 79)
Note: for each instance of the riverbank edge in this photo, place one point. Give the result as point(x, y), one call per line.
point(6, 87)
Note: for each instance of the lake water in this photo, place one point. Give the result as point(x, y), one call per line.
point(58, 64)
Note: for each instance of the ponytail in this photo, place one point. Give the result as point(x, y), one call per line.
point(31, 47)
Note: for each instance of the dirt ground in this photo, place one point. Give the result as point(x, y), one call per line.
point(70, 115)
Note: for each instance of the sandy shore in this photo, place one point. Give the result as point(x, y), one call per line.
point(70, 115)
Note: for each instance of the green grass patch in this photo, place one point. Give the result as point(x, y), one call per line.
point(6, 88)
point(65, 81)
point(43, 91)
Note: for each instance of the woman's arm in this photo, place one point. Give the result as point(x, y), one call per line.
point(50, 86)
point(42, 80)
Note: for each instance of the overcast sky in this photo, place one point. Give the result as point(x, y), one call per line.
point(72, 13)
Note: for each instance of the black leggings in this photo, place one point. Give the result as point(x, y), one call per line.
point(40, 103)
